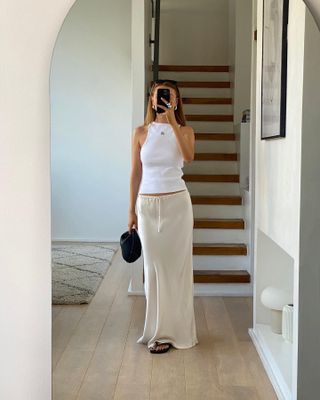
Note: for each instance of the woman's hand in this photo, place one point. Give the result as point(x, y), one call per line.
point(169, 112)
point(132, 221)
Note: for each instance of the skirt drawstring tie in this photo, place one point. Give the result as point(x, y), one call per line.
point(159, 201)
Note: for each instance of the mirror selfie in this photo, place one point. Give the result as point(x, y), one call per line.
point(159, 203)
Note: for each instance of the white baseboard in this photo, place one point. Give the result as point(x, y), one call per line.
point(85, 240)
point(270, 366)
point(210, 289)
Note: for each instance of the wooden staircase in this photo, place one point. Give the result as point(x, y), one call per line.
point(189, 80)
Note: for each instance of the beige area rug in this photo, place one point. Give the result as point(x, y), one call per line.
point(78, 270)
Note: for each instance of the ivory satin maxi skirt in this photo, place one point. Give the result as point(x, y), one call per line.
point(165, 227)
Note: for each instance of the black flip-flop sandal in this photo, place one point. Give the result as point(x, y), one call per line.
point(154, 351)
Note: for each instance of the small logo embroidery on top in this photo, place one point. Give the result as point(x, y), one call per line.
point(162, 133)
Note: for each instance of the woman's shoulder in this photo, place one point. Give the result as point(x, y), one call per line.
point(139, 134)
point(187, 128)
point(140, 130)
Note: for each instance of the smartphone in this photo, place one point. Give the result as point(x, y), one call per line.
point(165, 93)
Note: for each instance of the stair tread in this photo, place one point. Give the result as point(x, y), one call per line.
point(218, 223)
point(204, 115)
point(221, 276)
point(215, 196)
point(219, 245)
point(213, 84)
point(210, 117)
point(194, 68)
point(217, 153)
point(214, 136)
point(221, 272)
point(207, 115)
point(214, 199)
point(213, 174)
point(215, 156)
point(219, 219)
point(206, 100)
point(229, 196)
point(230, 178)
point(202, 84)
point(219, 249)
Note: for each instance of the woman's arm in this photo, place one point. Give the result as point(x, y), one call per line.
point(136, 169)
point(185, 139)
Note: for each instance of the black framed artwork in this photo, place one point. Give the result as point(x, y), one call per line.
point(274, 68)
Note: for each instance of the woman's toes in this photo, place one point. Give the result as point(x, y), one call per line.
point(162, 346)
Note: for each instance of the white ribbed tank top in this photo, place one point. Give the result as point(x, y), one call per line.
point(161, 160)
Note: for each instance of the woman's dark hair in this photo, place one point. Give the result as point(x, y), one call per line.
point(151, 113)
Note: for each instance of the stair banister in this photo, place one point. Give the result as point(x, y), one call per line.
point(155, 66)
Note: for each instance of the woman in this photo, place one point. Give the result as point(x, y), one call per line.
point(165, 221)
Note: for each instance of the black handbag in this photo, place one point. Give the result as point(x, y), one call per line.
point(130, 246)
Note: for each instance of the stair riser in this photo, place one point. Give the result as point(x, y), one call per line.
point(201, 117)
point(228, 289)
point(195, 76)
point(213, 188)
point(216, 211)
point(220, 262)
point(209, 167)
point(211, 126)
point(207, 108)
point(220, 236)
point(214, 146)
point(205, 92)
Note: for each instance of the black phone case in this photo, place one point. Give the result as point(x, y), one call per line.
point(165, 93)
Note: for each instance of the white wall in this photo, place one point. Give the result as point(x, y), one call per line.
point(309, 269)
point(148, 50)
point(196, 30)
point(140, 74)
point(242, 59)
point(250, 195)
point(231, 31)
point(231, 45)
point(278, 167)
point(240, 40)
point(28, 31)
point(277, 180)
point(92, 122)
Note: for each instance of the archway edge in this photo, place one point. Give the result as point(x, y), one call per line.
point(28, 33)
point(314, 8)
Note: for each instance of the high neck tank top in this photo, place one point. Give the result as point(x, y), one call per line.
point(161, 161)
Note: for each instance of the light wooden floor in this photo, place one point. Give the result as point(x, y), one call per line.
point(95, 355)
